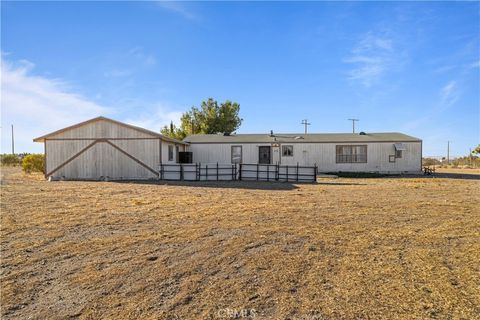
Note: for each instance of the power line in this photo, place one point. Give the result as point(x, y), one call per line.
point(305, 123)
point(353, 124)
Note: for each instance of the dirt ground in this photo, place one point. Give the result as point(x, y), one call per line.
point(379, 248)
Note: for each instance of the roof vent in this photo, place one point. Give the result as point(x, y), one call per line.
point(271, 133)
point(362, 133)
point(298, 137)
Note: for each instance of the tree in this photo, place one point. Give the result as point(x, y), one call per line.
point(476, 150)
point(211, 118)
point(173, 132)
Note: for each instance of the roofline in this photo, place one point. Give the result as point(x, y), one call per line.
point(294, 142)
point(152, 133)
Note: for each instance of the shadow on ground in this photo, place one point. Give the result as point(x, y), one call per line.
point(464, 176)
point(252, 185)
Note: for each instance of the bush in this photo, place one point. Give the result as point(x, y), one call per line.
point(33, 163)
point(10, 160)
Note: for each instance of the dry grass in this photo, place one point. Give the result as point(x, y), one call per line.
point(388, 248)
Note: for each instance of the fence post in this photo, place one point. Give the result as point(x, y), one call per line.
point(240, 172)
point(161, 171)
point(297, 171)
point(287, 171)
point(181, 172)
point(268, 172)
point(217, 171)
point(315, 173)
point(206, 172)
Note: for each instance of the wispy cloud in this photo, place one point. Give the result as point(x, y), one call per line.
point(179, 8)
point(475, 64)
point(128, 63)
point(140, 55)
point(372, 57)
point(36, 104)
point(157, 116)
point(449, 95)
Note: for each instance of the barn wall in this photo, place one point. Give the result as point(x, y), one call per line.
point(101, 129)
point(102, 159)
point(322, 154)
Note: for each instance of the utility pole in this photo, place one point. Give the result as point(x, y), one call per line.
point(353, 124)
point(13, 142)
point(448, 153)
point(305, 123)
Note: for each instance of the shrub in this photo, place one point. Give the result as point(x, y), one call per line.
point(33, 163)
point(10, 160)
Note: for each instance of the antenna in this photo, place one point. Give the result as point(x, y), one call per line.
point(353, 124)
point(305, 123)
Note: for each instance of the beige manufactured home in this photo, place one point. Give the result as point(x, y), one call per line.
point(347, 152)
point(103, 148)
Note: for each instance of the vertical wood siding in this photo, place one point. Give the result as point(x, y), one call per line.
point(102, 159)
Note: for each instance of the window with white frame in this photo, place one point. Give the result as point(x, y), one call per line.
point(236, 154)
point(287, 151)
point(351, 153)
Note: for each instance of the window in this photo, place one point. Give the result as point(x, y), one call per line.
point(287, 151)
point(399, 148)
point(352, 154)
point(236, 154)
point(391, 158)
point(170, 153)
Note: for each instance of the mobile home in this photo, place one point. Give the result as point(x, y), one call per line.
point(347, 152)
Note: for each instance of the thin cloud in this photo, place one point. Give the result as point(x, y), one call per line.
point(158, 116)
point(178, 8)
point(372, 57)
point(449, 94)
point(36, 105)
point(140, 55)
point(476, 64)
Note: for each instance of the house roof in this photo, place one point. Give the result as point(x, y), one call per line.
point(302, 138)
point(152, 133)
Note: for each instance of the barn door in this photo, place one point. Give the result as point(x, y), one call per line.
point(264, 155)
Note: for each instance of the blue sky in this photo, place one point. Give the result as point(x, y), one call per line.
point(411, 67)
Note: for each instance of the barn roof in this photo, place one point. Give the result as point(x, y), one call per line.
point(302, 138)
point(152, 133)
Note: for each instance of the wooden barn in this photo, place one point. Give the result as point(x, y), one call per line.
point(331, 152)
point(103, 148)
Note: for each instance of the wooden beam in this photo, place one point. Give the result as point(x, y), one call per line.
point(131, 157)
point(72, 158)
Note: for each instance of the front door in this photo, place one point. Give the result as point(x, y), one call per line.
point(264, 155)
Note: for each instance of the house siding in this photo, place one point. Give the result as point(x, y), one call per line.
point(321, 154)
